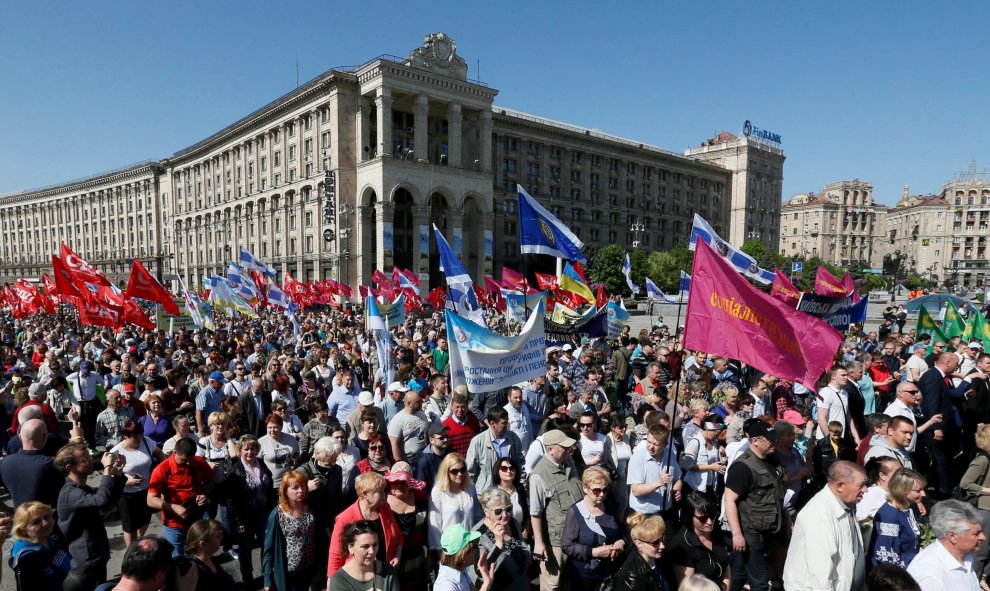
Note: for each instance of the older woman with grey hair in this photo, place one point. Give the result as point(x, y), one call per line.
point(502, 542)
point(326, 499)
point(945, 563)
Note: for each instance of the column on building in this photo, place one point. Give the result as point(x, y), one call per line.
point(301, 235)
point(383, 103)
point(421, 111)
point(485, 139)
point(454, 119)
point(421, 217)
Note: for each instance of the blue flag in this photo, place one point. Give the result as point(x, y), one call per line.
point(685, 284)
point(657, 294)
point(742, 262)
point(459, 283)
point(627, 271)
point(249, 261)
point(540, 232)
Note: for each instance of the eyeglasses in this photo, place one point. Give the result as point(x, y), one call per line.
point(456, 471)
point(655, 543)
point(238, 369)
point(376, 448)
point(704, 518)
point(497, 512)
point(597, 491)
point(507, 468)
point(587, 425)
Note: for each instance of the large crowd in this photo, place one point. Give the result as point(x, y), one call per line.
point(632, 465)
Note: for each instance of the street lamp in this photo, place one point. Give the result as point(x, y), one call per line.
point(636, 228)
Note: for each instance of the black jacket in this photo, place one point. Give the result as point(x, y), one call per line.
point(249, 418)
point(235, 494)
point(327, 501)
point(636, 575)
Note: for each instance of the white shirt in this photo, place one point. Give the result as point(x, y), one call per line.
point(826, 549)
point(936, 570)
point(521, 424)
point(836, 403)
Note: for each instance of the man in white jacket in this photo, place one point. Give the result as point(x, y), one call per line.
point(826, 550)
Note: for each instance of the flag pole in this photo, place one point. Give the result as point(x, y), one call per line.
point(677, 386)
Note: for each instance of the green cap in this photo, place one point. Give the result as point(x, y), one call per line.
point(455, 538)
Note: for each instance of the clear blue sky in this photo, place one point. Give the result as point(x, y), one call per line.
point(891, 92)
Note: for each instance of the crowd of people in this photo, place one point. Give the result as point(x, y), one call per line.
point(632, 464)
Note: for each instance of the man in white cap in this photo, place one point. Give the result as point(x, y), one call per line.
point(365, 401)
point(394, 401)
point(554, 487)
point(967, 358)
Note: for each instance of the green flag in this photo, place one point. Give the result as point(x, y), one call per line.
point(976, 330)
point(926, 324)
point(953, 325)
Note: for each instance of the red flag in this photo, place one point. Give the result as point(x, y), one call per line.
point(412, 277)
point(601, 298)
point(580, 270)
point(133, 314)
point(568, 299)
point(93, 313)
point(64, 280)
point(544, 281)
point(380, 278)
point(50, 287)
point(109, 298)
point(295, 290)
point(784, 290)
point(514, 280)
point(341, 289)
point(142, 284)
point(827, 285)
point(395, 275)
point(493, 286)
point(437, 298)
point(262, 285)
point(365, 291)
point(81, 269)
point(729, 317)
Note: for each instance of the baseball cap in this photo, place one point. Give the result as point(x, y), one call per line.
point(558, 437)
point(436, 427)
point(713, 422)
point(217, 376)
point(128, 387)
point(366, 398)
point(567, 347)
point(976, 345)
point(455, 538)
point(397, 387)
point(86, 365)
point(761, 429)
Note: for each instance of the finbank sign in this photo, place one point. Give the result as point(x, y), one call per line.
point(750, 130)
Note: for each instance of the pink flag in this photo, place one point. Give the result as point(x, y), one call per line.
point(728, 316)
point(850, 287)
point(827, 285)
point(784, 290)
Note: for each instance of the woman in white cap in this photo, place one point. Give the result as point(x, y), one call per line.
point(460, 551)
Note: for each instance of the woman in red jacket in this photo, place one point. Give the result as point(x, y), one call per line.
point(371, 506)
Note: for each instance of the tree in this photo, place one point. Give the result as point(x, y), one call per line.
point(664, 267)
point(606, 267)
point(764, 257)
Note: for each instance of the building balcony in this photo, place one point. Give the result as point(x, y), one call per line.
point(963, 264)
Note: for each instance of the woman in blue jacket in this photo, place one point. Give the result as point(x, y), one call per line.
point(592, 539)
point(896, 535)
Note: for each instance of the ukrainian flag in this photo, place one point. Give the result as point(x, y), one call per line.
point(571, 281)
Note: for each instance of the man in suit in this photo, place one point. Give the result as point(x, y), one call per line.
point(255, 406)
point(939, 396)
point(976, 407)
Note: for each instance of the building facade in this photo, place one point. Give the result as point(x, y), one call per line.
point(351, 171)
point(757, 169)
point(837, 225)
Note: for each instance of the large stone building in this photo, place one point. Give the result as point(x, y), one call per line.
point(837, 225)
point(410, 143)
point(939, 237)
point(757, 177)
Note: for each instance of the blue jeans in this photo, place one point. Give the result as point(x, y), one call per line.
point(177, 537)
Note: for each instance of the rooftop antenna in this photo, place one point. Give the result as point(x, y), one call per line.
point(479, 69)
point(297, 74)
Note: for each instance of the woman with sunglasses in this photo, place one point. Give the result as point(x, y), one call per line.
point(698, 547)
point(641, 570)
point(591, 443)
point(592, 538)
point(411, 510)
point(500, 539)
point(377, 460)
point(363, 571)
point(452, 499)
point(507, 476)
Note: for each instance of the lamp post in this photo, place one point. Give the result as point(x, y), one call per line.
point(636, 228)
